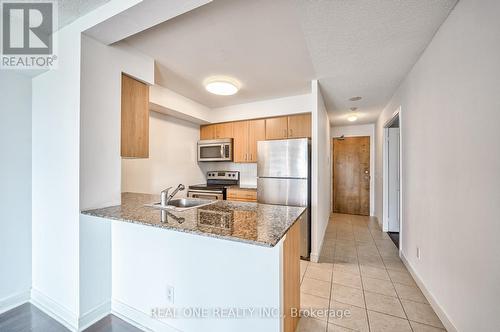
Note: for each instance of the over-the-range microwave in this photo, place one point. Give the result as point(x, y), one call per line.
point(215, 150)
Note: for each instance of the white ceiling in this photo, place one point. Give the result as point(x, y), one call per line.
point(353, 47)
point(70, 10)
point(258, 42)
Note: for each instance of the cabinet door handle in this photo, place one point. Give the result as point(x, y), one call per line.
point(284, 132)
point(246, 156)
point(251, 156)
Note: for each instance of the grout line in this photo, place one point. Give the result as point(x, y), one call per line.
point(363, 289)
point(397, 295)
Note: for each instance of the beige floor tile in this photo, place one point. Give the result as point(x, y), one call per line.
point(374, 272)
point(351, 268)
point(307, 324)
point(316, 287)
point(421, 313)
point(417, 327)
point(394, 264)
point(311, 303)
point(337, 328)
point(379, 286)
point(326, 266)
point(347, 279)
point(384, 323)
point(411, 293)
point(384, 304)
point(319, 273)
point(356, 320)
point(326, 259)
point(401, 277)
point(349, 295)
point(303, 267)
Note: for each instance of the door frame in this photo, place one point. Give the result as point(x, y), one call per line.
point(336, 133)
point(385, 162)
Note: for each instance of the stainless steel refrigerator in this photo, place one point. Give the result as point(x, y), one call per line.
point(283, 174)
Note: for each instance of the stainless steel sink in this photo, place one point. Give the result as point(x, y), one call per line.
point(182, 204)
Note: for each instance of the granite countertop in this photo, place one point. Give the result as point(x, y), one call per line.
point(253, 223)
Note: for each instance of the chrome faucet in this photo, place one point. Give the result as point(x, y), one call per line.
point(165, 197)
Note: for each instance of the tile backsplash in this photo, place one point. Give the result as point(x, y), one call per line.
point(248, 172)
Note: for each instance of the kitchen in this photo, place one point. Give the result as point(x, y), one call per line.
point(167, 144)
point(267, 148)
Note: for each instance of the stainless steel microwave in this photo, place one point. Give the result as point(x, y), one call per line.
point(215, 150)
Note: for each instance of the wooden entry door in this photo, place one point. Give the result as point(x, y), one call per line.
point(351, 175)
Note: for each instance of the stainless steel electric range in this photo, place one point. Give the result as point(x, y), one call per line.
point(215, 188)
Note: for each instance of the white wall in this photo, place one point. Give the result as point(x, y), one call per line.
point(168, 102)
point(263, 109)
point(450, 152)
point(320, 171)
point(15, 189)
point(100, 160)
point(55, 174)
point(356, 131)
point(248, 171)
point(172, 157)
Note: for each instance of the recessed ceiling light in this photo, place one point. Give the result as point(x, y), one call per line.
point(222, 86)
point(352, 118)
point(355, 98)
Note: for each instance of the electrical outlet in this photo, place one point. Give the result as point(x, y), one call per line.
point(418, 253)
point(170, 294)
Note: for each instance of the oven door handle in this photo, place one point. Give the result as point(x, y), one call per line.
point(205, 191)
point(204, 195)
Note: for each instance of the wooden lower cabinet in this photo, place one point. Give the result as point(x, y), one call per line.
point(291, 278)
point(241, 195)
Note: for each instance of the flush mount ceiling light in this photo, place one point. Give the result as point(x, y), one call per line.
point(353, 109)
point(352, 118)
point(355, 98)
point(222, 86)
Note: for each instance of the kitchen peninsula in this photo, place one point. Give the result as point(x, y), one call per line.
point(225, 255)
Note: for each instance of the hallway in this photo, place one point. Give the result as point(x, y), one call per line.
point(360, 271)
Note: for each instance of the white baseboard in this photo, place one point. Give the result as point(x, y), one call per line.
point(94, 315)
point(14, 300)
point(54, 310)
point(139, 319)
point(430, 298)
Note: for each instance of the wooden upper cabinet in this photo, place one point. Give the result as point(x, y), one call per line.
point(299, 126)
point(256, 132)
point(207, 132)
point(134, 118)
point(277, 128)
point(246, 135)
point(224, 130)
point(240, 141)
